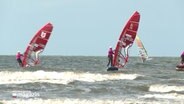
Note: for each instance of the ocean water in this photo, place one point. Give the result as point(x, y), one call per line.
point(84, 80)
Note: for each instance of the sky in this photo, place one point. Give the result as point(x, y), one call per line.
point(89, 27)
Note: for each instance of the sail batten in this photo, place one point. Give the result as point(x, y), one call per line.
point(131, 30)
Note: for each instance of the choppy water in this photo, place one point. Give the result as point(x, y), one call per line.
point(84, 80)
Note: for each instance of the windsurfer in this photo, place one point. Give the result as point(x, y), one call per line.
point(181, 65)
point(182, 58)
point(18, 58)
point(110, 56)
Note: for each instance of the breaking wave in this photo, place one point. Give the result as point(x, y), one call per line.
point(59, 77)
point(165, 88)
point(85, 101)
point(174, 96)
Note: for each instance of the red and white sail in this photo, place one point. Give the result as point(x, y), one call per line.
point(125, 41)
point(36, 46)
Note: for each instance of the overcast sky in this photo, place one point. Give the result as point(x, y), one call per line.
point(89, 27)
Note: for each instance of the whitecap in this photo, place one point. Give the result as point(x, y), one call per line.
point(165, 88)
point(59, 77)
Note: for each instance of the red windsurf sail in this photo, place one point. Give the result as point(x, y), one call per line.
point(36, 46)
point(125, 41)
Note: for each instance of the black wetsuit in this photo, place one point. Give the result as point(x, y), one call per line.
point(182, 58)
point(19, 61)
point(110, 60)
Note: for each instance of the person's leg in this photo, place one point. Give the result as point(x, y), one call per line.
point(20, 62)
point(109, 61)
point(182, 59)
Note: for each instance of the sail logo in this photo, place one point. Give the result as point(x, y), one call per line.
point(122, 42)
point(128, 37)
point(131, 26)
point(43, 34)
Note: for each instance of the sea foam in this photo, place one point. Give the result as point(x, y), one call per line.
point(165, 88)
point(60, 77)
point(174, 96)
point(86, 101)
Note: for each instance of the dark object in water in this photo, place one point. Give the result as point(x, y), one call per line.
point(112, 68)
point(180, 67)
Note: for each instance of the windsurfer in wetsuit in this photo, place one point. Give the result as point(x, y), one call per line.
point(110, 56)
point(182, 58)
point(18, 58)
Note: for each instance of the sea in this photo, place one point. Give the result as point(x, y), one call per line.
point(85, 80)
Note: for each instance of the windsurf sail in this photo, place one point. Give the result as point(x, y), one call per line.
point(36, 46)
point(125, 41)
point(142, 51)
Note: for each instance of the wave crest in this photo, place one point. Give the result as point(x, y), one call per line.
point(165, 88)
point(59, 77)
point(165, 96)
point(86, 101)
